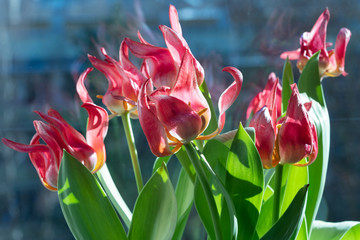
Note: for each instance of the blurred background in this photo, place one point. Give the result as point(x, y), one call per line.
point(44, 46)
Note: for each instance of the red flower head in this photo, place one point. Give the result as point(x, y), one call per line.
point(56, 134)
point(162, 64)
point(124, 80)
point(263, 97)
point(171, 116)
point(332, 62)
point(289, 139)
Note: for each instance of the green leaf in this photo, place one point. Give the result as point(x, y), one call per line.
point(296, 179)
point(287, 80)
point(302, 234)
point(184, 197)
point(86, 209)
point(245, 182)
point(348, 230)
point(213, 125)
point(310, 82)
point(215, 154)
point(289, 221)
point(155, 211)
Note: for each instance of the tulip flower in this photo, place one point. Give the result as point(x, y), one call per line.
point(289, 139)
point(332, 62)
point(162, 64)
point(56, 134)
point(124, 82)
point(177, 115)
point(261, 98)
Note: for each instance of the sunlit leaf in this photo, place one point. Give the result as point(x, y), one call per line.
point(245, 182)
point(348, 230)
point(86, 209)
point(155, 211)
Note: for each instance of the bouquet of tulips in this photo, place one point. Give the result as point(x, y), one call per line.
point(263, 180)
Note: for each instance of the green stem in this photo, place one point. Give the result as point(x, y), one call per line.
point(113, 194)
point(206, 187)
point(132, 148)
point(277, 192)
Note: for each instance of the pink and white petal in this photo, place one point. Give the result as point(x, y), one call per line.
point(158, 62)
point(80, 87)
point(52, 138)
point(152, 127)
point(186, 87)
point(131, 71)
point(292, 55)
point(317, 34)
point(341, 43)
point(177, 46)
point(229, 96)
point(96, 131)
point(174, 19)
point(41, 157)
point(76, 142)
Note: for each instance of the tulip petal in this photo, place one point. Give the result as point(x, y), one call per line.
point(272, 88)
point(80, 87)
point(76, 142)
point(177, 46)
point(174, 19)
point(317, 34)
point(152, 127)
point(41, 157)
point(52, 138)
point(159, 64)
point(229, 96)
point(186, 88)
point(96, 131)
point(177, 117)
point(265, 136)
point(296, 133)
point(341, 43)
point(131, 71)
point(292, 55)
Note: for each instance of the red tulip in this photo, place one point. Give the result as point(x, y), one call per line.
point(332, 62)
point(162, 64)
point(171, 116)
point(297, 134)
point(287, 140)
point(56, 134)
point(263, 97)
point(124, 82)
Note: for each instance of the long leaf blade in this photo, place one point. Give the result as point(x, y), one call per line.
point(245, 182)
point(289, 221)
point(86, 209)
point(155, 211)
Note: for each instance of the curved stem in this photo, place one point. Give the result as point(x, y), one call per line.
point(113, 194)
point(206, 187)
point(132, 148)
point(277, 192)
